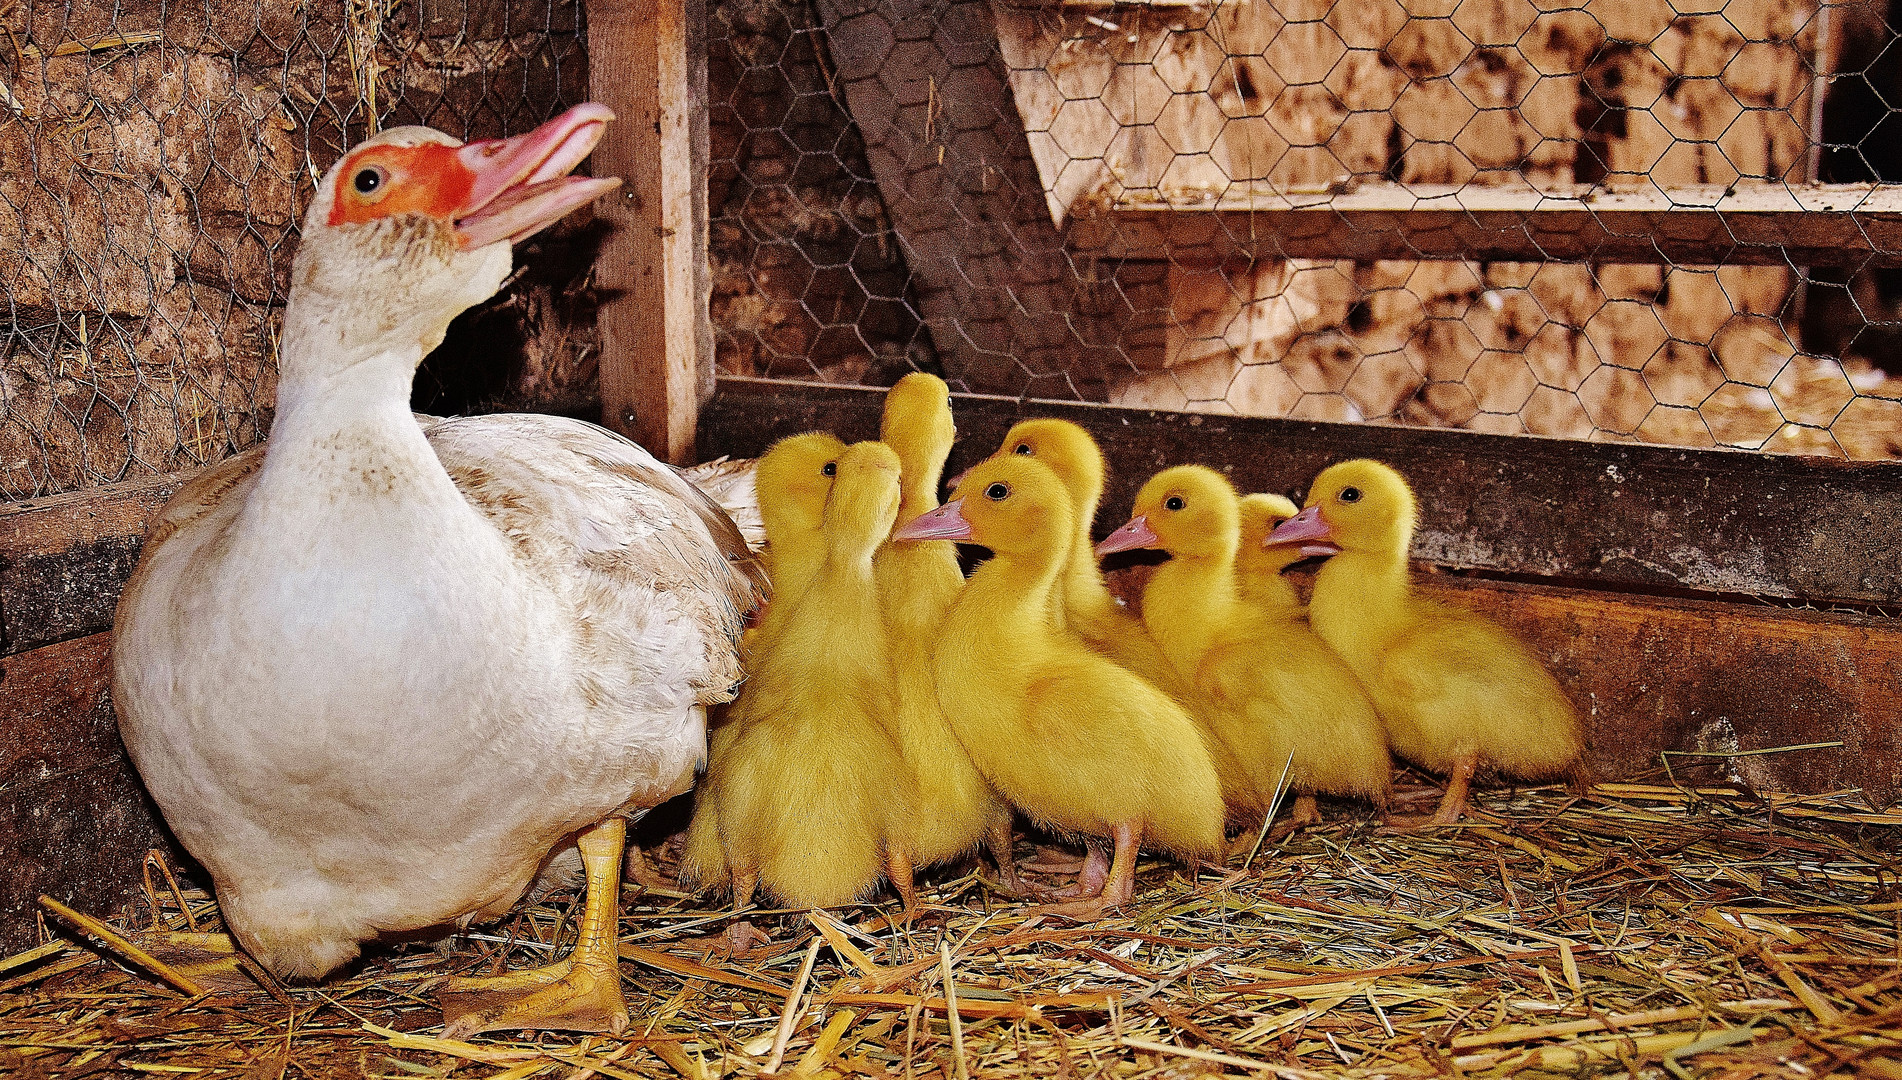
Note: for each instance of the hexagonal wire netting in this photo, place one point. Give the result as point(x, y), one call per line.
point(1208, 206)
point(1075, 200)
point(155, 158)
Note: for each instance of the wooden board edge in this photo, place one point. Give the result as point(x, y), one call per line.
point(1619, 515)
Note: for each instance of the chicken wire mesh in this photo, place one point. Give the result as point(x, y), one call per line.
point(155, 158)
point(1031, 160)
point(948, 185)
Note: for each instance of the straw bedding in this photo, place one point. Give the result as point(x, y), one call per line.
point(1646, 929)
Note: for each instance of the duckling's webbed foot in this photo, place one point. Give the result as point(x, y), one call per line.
point(579, 993)
point(998, 839)
point(1089, 880)
point(642, 873)
point(1115, 889)
point(1459, 780)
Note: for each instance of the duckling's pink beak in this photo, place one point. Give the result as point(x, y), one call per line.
point(1308, 526)
point(947, 522)
point(520, 186)
point(1135, 534)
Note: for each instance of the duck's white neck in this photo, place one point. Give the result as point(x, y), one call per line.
point(343, 428)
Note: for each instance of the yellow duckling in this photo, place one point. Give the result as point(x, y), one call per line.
point(1075, 741)
point(917, 584)
point(1083, 601)
point(1269, 689)
point(811, 798)
point(793, 478)
point(1454, 689)
point(1258, 567)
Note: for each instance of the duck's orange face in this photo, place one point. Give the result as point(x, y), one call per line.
point(488, 191)
point(1188, 511)
point(1354, 506)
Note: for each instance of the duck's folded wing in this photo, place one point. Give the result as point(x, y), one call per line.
point(730, 483)
point(640, 550)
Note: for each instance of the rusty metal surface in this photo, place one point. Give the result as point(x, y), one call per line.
point(1617, 515)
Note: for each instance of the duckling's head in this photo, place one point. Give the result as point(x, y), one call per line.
point(1009, 504)
point(1260, 515)
point(1067, 449)
point(793, 479)
point(917, 423)
point(1354, 506)
point(1188, 511)
point(864, 502)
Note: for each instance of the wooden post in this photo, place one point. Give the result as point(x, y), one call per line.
point(640, 65)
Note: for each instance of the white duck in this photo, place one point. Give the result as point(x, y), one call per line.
point(376, 674)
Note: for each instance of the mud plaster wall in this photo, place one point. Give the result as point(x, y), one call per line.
point(1306, 94)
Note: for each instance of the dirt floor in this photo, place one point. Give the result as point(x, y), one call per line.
point(1644, 929)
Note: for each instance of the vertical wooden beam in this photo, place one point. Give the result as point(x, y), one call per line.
point(652, 365)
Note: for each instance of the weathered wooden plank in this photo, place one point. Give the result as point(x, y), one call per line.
point(1620, 515)
point(1652, 674)
point(64, 559)
point(927, 88)
point(74, 822)
point(651, 336)
point(1775, 224)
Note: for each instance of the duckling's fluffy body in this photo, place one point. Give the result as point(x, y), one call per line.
point(1454, 689)
point(1073, 740)
point(1083, 601)
point(918, 581)
point(1258, 568)
point(811, 798)
point(793, 479)
point(1262, 683)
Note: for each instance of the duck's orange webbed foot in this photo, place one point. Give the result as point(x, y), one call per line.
point(579, 993)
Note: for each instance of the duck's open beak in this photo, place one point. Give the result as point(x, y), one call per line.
point(947, 522)
point(1307, 529)
point(1136, 533)
point(521, 185)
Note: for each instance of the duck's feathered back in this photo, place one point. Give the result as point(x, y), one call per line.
point(611, 516)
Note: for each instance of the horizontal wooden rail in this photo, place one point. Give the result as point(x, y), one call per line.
point(1617, 515)
point(1761, 223)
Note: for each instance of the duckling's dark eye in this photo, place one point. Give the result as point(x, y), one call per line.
point(1350, 494)
point(367, 180)
point(1173, 502)
point(831, 469)
point(1022, 448)
point(997, 492)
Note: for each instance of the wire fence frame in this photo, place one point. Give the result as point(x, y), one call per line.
point(1010, 194)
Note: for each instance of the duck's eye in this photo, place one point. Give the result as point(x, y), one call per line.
point(1350, 494)
point(831, 469)
point(368, 181)
point(1022, 448)
point(1173, 502)
point(997, 492)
